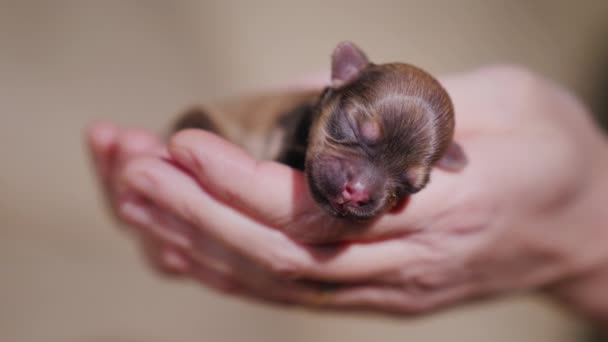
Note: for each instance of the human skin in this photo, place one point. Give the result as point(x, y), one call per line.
point(527, 213)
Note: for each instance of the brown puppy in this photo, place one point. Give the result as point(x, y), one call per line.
point(365, 142)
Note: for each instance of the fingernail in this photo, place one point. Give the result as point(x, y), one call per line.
point(135, 213)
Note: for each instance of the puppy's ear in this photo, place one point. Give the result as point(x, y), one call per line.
point(454, 159)
point(347, 62)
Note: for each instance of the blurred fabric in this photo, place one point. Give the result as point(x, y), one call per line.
point(68, 273)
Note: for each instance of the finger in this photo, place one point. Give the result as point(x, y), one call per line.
point(383, 299)
point(163, 259)
point(177, 237)
point(363, 298)
point(175, 260)
point(102, 140)
point(172, 189)
point(246, 280)
point(131, 143)
point(216, 280)
point(134, 142)
point(111, 147)
point(155, 222)
point(401, 300)
point(278, 195)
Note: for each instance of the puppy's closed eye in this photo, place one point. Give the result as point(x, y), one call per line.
point(340, 128)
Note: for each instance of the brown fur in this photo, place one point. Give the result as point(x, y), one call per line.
point(428, 105)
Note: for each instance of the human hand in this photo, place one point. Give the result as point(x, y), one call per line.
point(514, 219)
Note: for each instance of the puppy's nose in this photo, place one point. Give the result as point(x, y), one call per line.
point(355, 193)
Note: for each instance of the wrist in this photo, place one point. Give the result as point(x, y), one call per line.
point(585, 292)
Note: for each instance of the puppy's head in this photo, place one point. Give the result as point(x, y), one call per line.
point(372, 143)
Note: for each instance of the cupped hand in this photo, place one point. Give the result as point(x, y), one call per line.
point(513, 220)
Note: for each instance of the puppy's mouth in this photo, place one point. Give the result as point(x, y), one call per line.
point(346, 210)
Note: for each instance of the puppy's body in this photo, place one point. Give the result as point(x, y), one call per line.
point(365, 142)
point(266, 125)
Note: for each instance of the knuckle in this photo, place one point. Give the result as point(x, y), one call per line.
point(139, 167)
point(155, 261)
point(123, 215)
point(427, 282)
point(512, 73)
point(411, 304)
point(134, 142)
point(145, 174)
point(222, 282)
point(421, 305)
point(169, 269)
point(514, 80)
point(187, 137)
point(181, 136)
point(227, 285)
point(190, 212)
point(285, 266)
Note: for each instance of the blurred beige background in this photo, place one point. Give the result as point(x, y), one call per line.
point(68, 274)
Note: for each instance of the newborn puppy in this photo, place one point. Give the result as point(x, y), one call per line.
point(365, 142)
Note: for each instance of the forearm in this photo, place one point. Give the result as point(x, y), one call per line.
point(586, 295)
